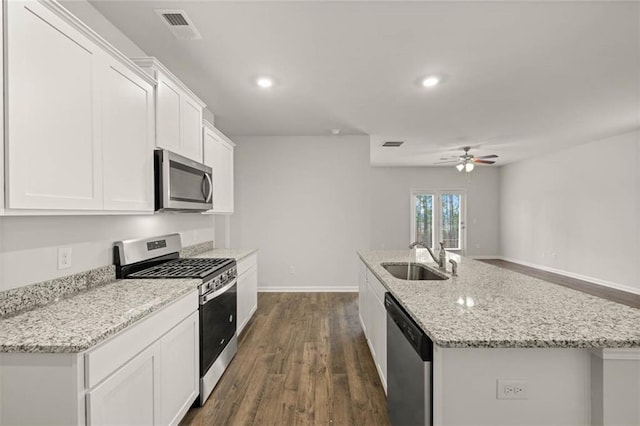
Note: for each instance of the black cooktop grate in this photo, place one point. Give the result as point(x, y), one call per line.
point(183, 268)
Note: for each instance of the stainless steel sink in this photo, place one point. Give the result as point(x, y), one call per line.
point(413, 272)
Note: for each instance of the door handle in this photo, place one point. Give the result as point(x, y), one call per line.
point(202, 188)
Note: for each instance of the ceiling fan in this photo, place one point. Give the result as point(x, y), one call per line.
point(467, 161)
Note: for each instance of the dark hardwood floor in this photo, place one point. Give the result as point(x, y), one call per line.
point(302, 359)
point(624, 297)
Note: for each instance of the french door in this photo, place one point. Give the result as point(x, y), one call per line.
point(438, 216)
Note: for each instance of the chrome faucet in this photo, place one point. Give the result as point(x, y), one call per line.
point(454, 267)
point(441, 263)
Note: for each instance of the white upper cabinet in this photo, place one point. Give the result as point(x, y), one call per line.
point(178, 112)
point(168, 114)
point(218, 154)
point(53, 113)
point(79, 117)
point(128, 141)
point(191, 129)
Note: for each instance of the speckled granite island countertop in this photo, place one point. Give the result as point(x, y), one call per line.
point(237, 254)
point(490, 307)
point(86, 318)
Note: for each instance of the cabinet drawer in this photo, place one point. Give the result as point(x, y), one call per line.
point(116, 351)
point(247, 263)
point(376, 286)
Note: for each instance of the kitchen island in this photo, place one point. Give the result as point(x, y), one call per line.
point(578, 354)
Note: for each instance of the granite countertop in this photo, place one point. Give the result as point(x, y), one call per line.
point(236, 254)
point(490, 307)
point(84, 319)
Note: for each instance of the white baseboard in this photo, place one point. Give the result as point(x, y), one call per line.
point(485, 256)
point(593, 280)
point(322, 289)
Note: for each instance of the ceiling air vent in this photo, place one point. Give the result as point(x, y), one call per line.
point(393, 143)
point(179, 24)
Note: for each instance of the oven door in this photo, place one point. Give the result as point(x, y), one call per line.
point(217, 323)
point(182, 184)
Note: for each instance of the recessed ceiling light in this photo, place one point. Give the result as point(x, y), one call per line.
point(335, 131)
point(430, 81)
point(264, 82)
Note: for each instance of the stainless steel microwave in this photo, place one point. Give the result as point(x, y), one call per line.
point(181, 184)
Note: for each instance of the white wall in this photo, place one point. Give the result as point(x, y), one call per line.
point(303, 202)
point(28, 245)
point(577, 211)
point(101, 25)
point(311, 202)
point(390, 189)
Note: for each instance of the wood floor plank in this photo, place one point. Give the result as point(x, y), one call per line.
point(302, 360)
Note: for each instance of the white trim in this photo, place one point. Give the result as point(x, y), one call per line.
point(486, 256)
point(630, 354)
point(436, 193)
point(24, 212)
point(591, 280)
point(153, 63)
point(209, 126)
point(313, 289)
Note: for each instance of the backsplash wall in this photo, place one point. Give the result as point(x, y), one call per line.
point(29, 245)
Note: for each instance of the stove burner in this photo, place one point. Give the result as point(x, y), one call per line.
point(182, 268)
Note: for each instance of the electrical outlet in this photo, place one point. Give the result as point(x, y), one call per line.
point(512, 389)
point(292, 270)
point(64, 257)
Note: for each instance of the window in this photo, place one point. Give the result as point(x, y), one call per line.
point(438, 216)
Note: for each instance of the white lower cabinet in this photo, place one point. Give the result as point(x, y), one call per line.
point(179, 365)
point(147, 374)
point(373, 317)
point(247, 290)
point(129, 395)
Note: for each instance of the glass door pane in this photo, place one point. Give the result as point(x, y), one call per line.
point(451, 221)
point(424, 218)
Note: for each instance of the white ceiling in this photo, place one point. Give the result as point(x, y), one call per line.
point(521, 78)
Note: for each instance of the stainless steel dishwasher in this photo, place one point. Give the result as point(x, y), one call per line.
point(409, 368)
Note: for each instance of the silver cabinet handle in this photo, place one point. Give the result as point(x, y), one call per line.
point(210, 187)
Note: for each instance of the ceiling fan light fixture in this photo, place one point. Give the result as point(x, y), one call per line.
point(468, 167)
point(460, 167)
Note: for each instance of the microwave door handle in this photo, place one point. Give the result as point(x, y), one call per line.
point(206, 175)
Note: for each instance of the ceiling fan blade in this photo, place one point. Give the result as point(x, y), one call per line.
point(447, 162)
point(475, 160)
point(483, 157)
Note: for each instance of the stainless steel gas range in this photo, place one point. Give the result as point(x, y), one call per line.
point(158, 257)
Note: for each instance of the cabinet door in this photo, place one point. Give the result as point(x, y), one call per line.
point(247, 296)
point(218, 154)
point(191, 129)
point(362, 301)
point(252, 299)
point(53, 136)
point(128, 139)
point(130, 395)
point(168, 115)
point(243, 302)
point(180, 374)
point(381, 340)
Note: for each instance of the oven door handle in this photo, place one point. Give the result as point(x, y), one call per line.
point(205, 298)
